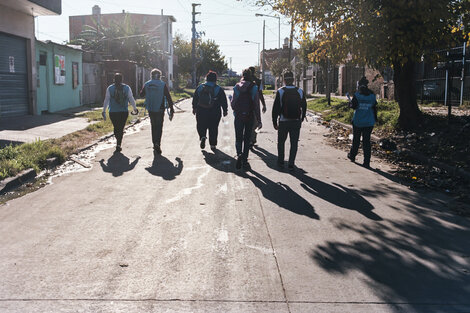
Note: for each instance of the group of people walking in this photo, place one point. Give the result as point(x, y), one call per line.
point(209, 104)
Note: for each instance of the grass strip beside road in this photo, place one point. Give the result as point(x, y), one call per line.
point(14, 159)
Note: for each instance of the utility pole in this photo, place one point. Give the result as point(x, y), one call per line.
point(263, 78)
point(193, 43)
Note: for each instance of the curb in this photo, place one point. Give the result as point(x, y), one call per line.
point(453, 170)
point(13, 182)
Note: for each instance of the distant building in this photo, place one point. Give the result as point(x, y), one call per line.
point(18, 71)
point(156, 26)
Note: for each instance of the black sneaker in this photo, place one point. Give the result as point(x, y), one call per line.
point(157, 149)
point(246, 166)
point(203, 142)
point(366, 165)
point(238, 165)
point(213, 148)
point(351, 158)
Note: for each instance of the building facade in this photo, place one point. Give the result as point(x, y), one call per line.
point(158, 27)
point(59, 79)
point(18, 70)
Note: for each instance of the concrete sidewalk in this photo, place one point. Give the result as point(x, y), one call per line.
point(29, 128)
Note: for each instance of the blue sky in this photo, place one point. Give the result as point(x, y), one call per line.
point(228, 22)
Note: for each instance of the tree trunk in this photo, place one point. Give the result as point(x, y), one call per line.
point(405, 93)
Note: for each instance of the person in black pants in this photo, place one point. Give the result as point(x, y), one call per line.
point(157, 99)
point(364, 104)
point(117, 99)
point(246, 108)
point(289, 109)
point(208, 100)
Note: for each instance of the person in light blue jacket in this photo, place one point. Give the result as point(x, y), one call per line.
point(117, 99)
point(364, 104)
point(157, 100)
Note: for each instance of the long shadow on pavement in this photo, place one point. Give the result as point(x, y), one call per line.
point(164, 168)
point(118, 164)
point(335, 194)
point(276, 192)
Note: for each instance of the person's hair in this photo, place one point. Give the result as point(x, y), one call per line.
point(252, 69)
point(288, 76)
point(246, 75)
point(156, 73)
point(211, 76)
point(363, 82)
point(117, 79)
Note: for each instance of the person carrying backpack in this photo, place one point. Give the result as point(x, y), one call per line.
point(289, 109)
point(117, 99)
point(364, 104)
point(157, 99)
point(257, 81)
point(208, 100)
point(246, 108)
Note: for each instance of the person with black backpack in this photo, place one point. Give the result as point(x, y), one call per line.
point(246, 108)
point(289, 109)
point(157, 100)
point(208, 100)
point(117, 99)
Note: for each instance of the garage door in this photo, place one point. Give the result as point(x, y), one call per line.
point(13, 76)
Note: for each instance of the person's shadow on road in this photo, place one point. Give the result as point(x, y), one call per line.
point(118, 164)
point(164, 168)
point(336, 194)
point(276, 192)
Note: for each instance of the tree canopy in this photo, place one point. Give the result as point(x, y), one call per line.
point(379, 34)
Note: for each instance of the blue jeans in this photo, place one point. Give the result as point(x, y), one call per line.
point(291, 128)
point(243, 131)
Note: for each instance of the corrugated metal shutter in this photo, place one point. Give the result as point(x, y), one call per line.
point(13, 76)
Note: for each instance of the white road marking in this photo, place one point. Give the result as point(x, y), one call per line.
point(189, 190)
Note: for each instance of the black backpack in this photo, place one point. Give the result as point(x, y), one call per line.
point(207, 97)
point(291, 103)
point(245, 105)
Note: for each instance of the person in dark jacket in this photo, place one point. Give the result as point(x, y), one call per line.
point(289, 109)
point(157, 99)
point(117, 99)
point(257, 81)
point(208, 101)
point(364, 104)
point(245, 106)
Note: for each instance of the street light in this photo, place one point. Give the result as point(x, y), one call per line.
point(279, 26)
point(258, 43)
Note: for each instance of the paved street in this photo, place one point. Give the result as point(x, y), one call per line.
point(186, 232)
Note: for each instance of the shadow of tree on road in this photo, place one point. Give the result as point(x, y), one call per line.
point(164, 168)
point(118, 164)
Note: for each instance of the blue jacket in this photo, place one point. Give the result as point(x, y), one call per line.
point(115, 104)
point(154, 92)
point(221, 101)
point(365, 106)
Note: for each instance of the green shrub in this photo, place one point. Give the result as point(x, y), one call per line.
point(14, 159)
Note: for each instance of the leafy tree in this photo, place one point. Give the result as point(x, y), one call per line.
point(119, 41)
point(210, 58)
point(182, 50)
point(381, 33)
point(278, 66)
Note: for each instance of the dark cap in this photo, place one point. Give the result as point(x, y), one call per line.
point(288, 75)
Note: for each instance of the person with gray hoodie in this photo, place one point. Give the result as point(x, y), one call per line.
point(246, 109)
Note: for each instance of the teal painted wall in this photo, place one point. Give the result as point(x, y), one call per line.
point(58, 97)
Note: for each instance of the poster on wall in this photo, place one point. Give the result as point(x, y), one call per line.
point(59, 69)
point(11, 62)
point(75, 81)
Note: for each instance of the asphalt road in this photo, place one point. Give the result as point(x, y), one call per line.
point(186, 232)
